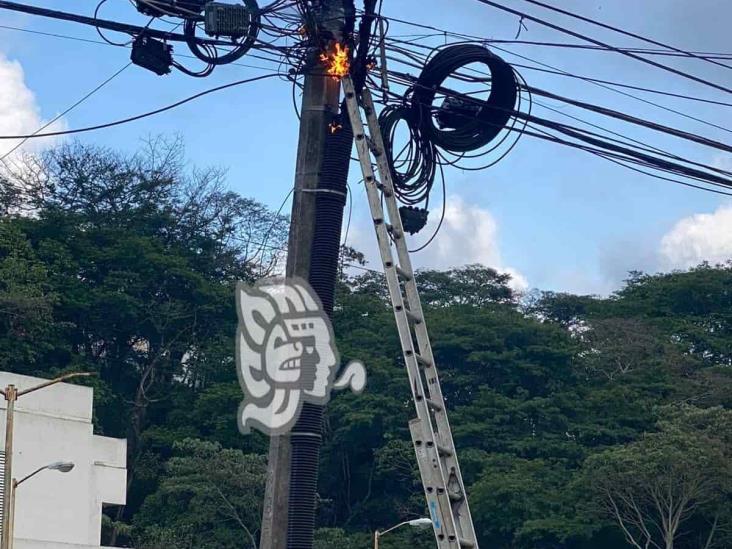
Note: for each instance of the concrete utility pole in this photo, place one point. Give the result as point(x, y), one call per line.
point(320, 103)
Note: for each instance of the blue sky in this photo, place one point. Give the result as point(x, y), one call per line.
point(558, 218)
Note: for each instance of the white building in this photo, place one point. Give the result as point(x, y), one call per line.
point(56, 510)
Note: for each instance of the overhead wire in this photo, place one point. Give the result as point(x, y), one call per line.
point(635, 120)
point(581, 36)
point(609, 149)
point(143, 115)
point(68, 109)
point(626, 33)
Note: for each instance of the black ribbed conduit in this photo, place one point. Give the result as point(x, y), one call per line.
point(306, 436)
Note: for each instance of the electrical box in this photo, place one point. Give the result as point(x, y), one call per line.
point(230, 20)
point(151, 54)
point(457, 111)
point(413, 219)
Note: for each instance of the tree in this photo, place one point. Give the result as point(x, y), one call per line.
point(209, 497)
point(653, 488)
point(125, 265)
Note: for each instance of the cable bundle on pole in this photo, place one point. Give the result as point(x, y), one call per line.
point(444, 134)
point(467, 134)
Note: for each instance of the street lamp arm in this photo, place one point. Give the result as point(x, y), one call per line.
point(394, 527)
point(54, 381)
point(34, 473)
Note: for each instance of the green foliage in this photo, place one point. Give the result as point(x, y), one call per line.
point(658, 488)
point(125, 266)
point(209, 497)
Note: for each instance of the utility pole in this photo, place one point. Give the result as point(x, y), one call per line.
point(289, 476)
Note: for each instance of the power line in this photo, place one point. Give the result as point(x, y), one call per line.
point(626, 33)
point(643, 51)
point(144, 115)
point(67, 111)
point(599, 146)
point(259, 56)
point(607, 46)
point(622, 116)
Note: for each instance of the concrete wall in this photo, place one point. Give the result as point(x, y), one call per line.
point(53, 509)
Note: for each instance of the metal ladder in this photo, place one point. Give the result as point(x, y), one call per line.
point(431, 434)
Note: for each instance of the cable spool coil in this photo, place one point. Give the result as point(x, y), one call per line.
point(491, 117)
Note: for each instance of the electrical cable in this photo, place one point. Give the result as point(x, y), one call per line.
point(561, 72)
point(626, 33)
point(99, 31)
point(67, 110)
point(608, 46)
point(638, 121)
point(610, 150)
point(144, 115)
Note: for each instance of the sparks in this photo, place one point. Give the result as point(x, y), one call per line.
point(336, 61)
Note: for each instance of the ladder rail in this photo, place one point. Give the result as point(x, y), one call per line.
point(415, 306)
point(431, 433)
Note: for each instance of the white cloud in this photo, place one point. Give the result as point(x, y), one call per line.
point(19, 110)
point(697, 238)
point(469, 235)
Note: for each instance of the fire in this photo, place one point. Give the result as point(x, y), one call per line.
point(336, 61)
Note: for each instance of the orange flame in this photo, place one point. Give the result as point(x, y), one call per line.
point(336, 61)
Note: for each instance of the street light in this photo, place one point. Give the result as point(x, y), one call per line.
point(60, 466)
point(12, 394)
point(416, 523)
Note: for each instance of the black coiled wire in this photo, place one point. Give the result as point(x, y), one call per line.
point(493, 114)
point(414, 174)
point(414, 168)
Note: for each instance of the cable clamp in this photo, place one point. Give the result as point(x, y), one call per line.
point(328, 191)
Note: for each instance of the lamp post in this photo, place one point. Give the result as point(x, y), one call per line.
point(60, 466)
point(12, 394)
point(416, 523)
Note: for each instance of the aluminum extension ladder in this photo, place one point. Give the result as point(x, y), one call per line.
point(431, 434)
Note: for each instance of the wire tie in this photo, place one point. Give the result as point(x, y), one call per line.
point(328, 191)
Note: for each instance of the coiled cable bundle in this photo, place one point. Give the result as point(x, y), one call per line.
point(444, 134)
point(413, 170)
point(491, 115)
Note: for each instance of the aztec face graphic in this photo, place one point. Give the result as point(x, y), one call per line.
point(286, 355)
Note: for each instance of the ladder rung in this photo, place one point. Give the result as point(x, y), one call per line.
point(466, 543)
point(436, 406)
point(413, 318)
point(456, 497)
point(404, 275)
point(374, 149)
point(395, 233)
point(444, 450)
point(423, 361)
point(383, 189)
